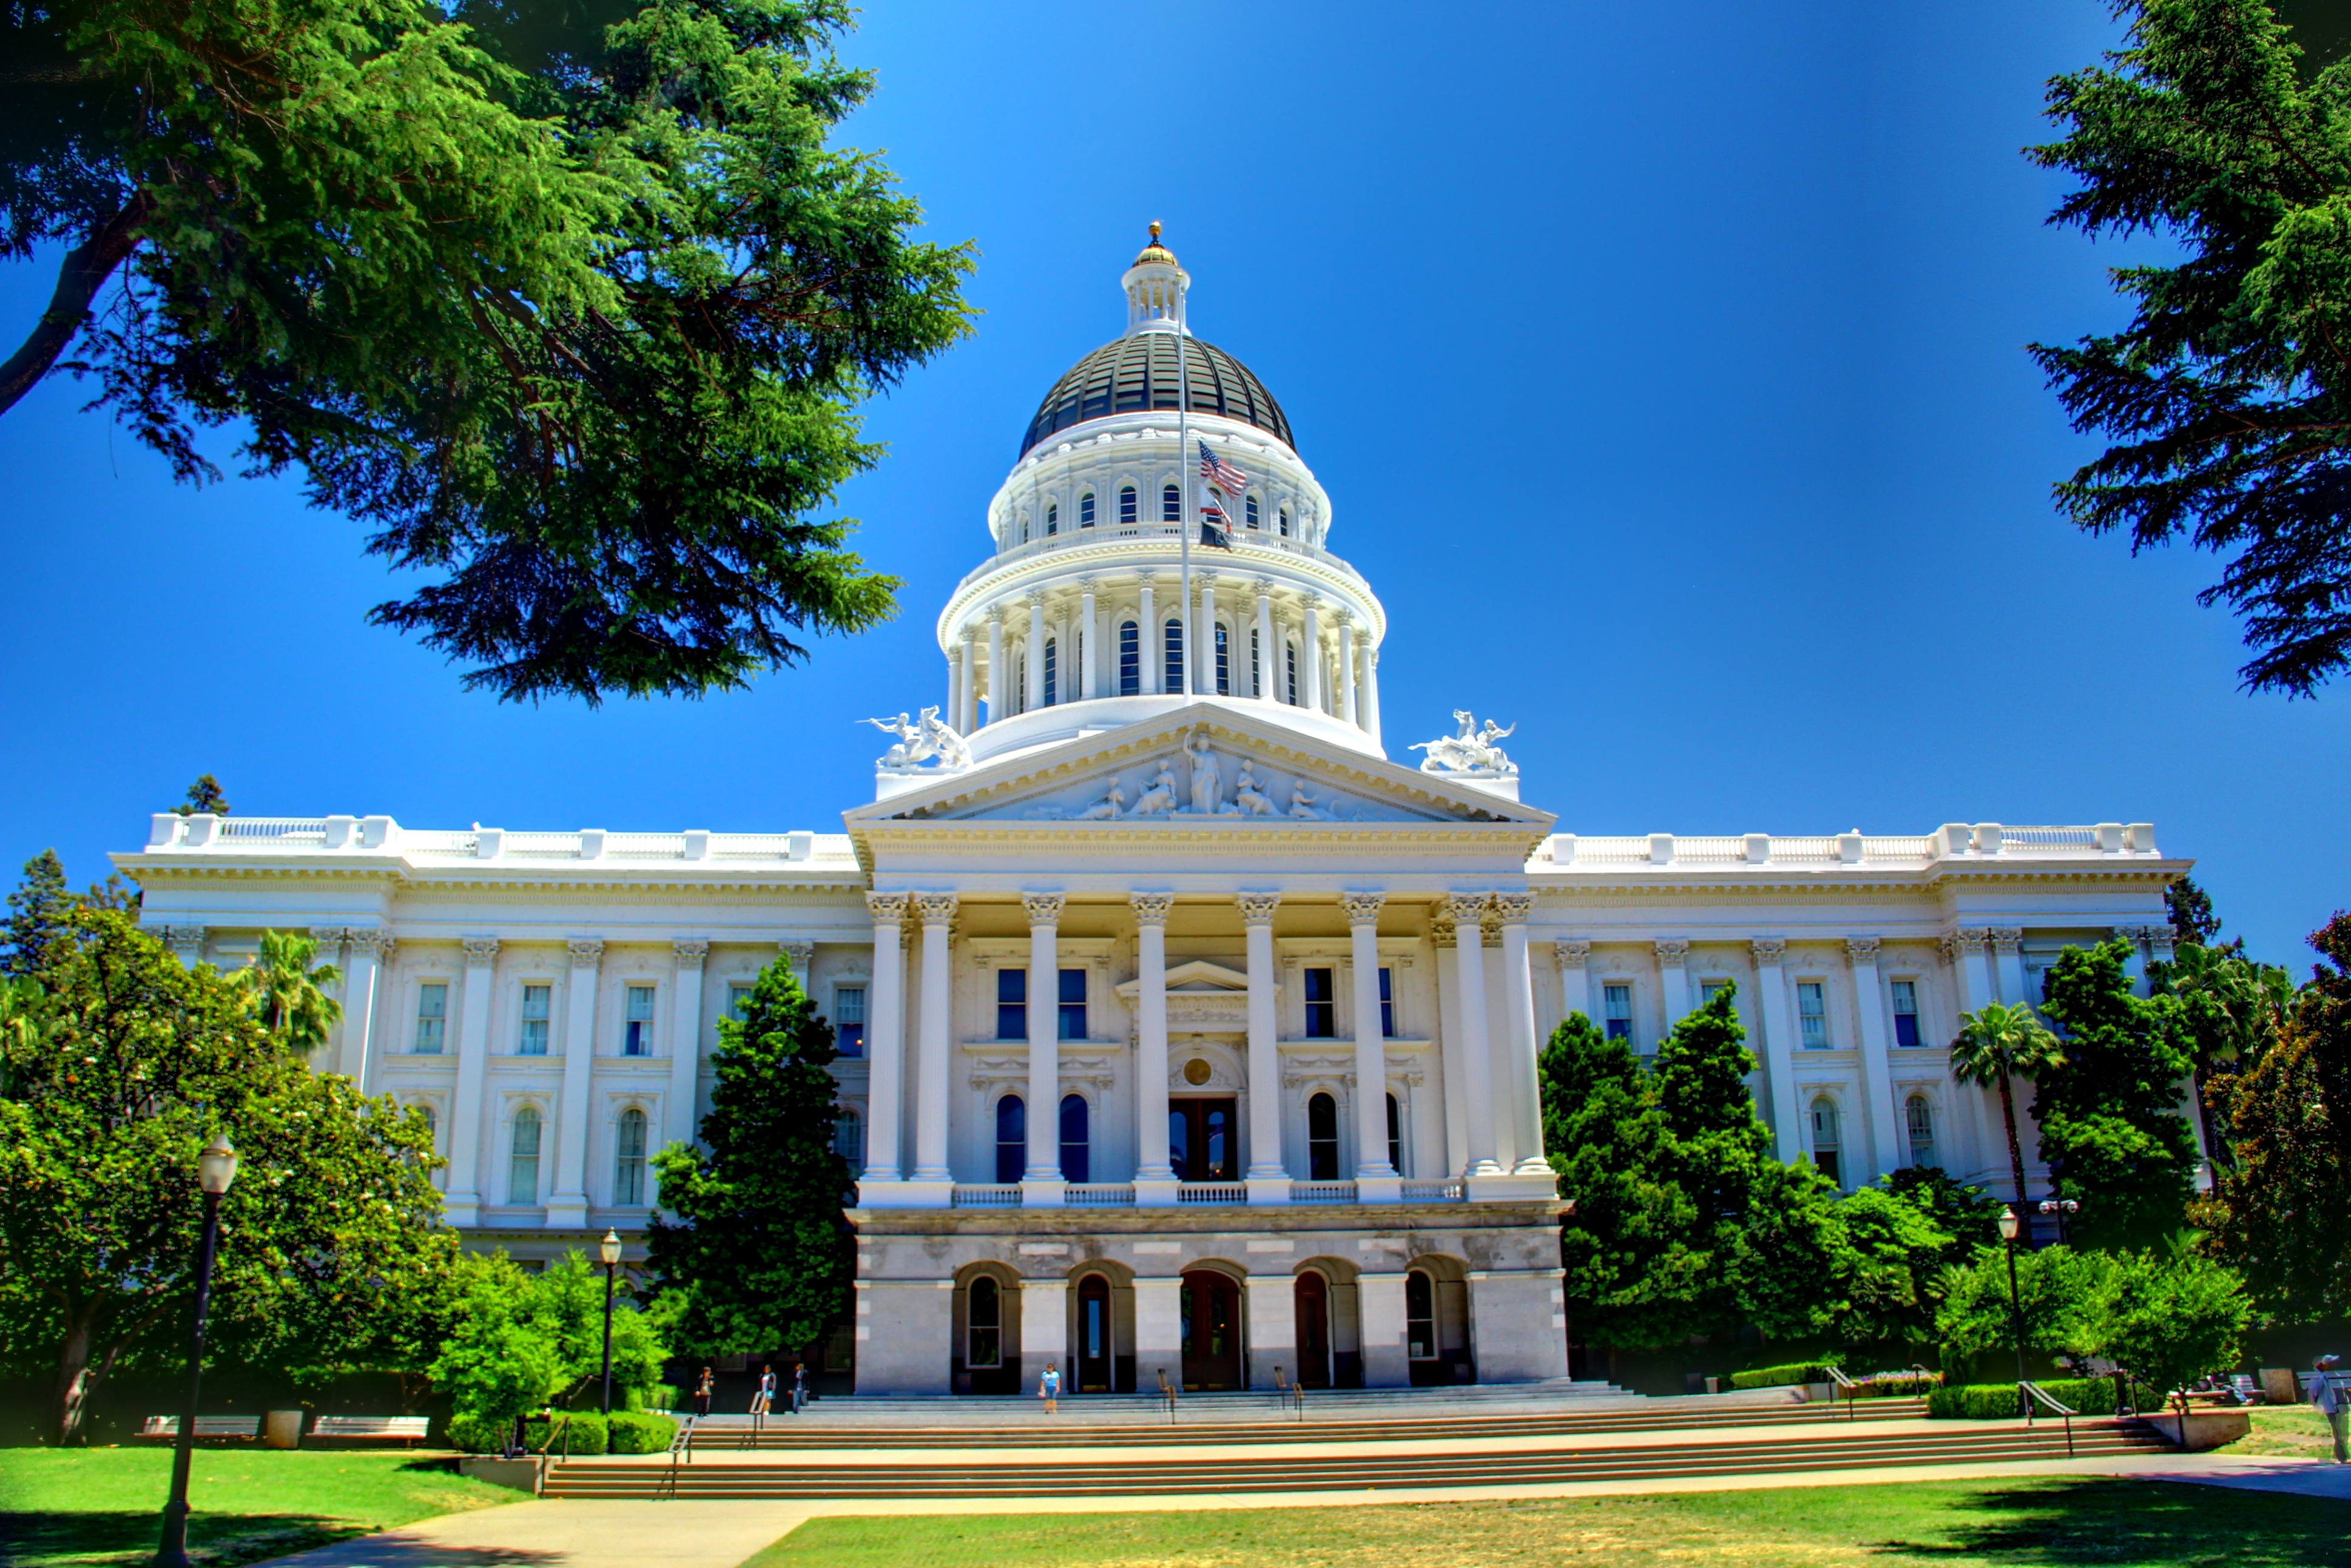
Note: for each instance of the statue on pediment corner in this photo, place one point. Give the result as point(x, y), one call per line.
point(1472, 750)
point(925, 739)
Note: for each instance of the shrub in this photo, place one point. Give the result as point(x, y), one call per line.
point(576, 1432)
point(634, 1432)
point(479, 1434)
point(1780, 1376)
point(661, 1396)
point(1901, 1385)
point(1997, 1401)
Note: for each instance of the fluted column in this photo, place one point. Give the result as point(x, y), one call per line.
point(937, 912)
point(1573, 960)
point(1369, 703)
point(996, 693)
point(1154, 1179)
point(1040, 1184)
point(1519, 996)
point(1088, 655)
point(1152, 641)
point(1877, 1070)
point(1269, 653)
point(685, 1042)
point(1268, 1175)
point(885, 1041)
point(1444, 937)
point(567, 1206)
point(464, 1204)
point(1779, 1044)
point(968, 698)
point(1205, 681)
point(1376, 1177)
point(1032, 695)
point(1347, 668)
point(1310, 654)
point(1469, 911)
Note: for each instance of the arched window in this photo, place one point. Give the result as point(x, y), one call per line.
point(1290, 653)
point(1053, 519)
point(1285, 522)
point(1074, 1143)
point(1011, 1138)
point(1175, 663)
point(1419, 1316)
point(1919, 1118)
point(1224, 663)
point(1395, 1136)
point(1127, 514)
point(431, 1122)
point(1249, 507)
point(984, 1318)
point(1130, 659)
point(1824, 1138)
point(522, 1160)
point(1052, 667)
point(1322, 1138)
point(848, 1138)
point(1086, 510)
point(1171, 505)
point(628, 1159)
point(1257, 668)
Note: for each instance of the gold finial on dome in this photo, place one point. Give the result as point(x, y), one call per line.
point(1154, 251)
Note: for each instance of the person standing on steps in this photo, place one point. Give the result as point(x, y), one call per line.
point(1048, 1389)
point(2330, 1401)
point(765, 1399)
point(799, 1387)
point(703, 1387)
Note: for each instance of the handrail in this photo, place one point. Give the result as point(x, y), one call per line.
point(1167, 1392)
point(2030, 1394)
point(1290, 1395)
point(1847, 1386)
point(681, 1442)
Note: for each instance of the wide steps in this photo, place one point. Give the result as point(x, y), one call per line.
point(1348, 1472)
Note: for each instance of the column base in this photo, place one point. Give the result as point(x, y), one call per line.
point(462, 1209)
point(566, 1211)
point(916, 1194)
point(1386, 1187)
point(1534, 1166)
point(1049, 1192)
point(1501, 1187)
point(1268, 1189)
point(1154, 1192)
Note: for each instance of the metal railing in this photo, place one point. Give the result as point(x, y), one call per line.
point(1289, 1395)
point(1321, 1192)
point(1167, 1393)
point(2034, 1398)
point(1846, 1388)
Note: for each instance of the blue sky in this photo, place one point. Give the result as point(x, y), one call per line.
point(1664, 363)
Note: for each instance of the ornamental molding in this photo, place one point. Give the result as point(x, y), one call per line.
point(1570, 955)
point(587, 952)
point(1257, 908)
point(185, 940)
point(1514, 907)
point(1861, 949)
point(1362, 908)
point(372, 940)
point(328, 937)
point(1443, 932)
point(1044, 908)
point(1770, 951)
point(1673, 952)
point(1151, 908)
point(689, 955)
point(2007, 940)
point(887, 908)
point(480, 949)
point(802, 955)
point(1466, 909)
point(936, 908)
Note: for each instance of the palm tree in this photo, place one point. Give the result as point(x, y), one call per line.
point(2235, 1007)
point(1997, 1043)
point(286, 994)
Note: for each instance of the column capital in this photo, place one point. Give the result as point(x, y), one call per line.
point(333, 935)
point(1362, 908)
point(1571, 955)
point(936, 908)
point(2007, 939)
point(802, 954)
point(996, 615)
point(1861, 949)
point(1674, 951)
point(481, 949)
point(1770, 951)
point(1147, 575)
point(1265, 588)
point(1443, 932)
point(1151, 908)
point(887, 908)
point(1467, 908)
point(1257, 908)
point(689, 953)
point(372, 939)
point(1044, 908)
point(187, 941)
point(1514, 907)
point(1086, 583)
point(1966, 939)
point(587, 952)
point(1036, 597)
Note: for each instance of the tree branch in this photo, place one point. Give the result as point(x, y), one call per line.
point(87, 266)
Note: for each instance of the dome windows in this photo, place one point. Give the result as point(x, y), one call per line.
point(1251, 504)
point(1086, 510)
point(1285, 522)
point(1126, 505)
point(1053, 520)
point(1171, 505)
point(1174, 646)
point(1130, 659)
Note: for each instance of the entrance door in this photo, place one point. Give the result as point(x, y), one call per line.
point(1203, 1143)
point(1312, 1297)
point(1093, 1335)
point(1211, 1306)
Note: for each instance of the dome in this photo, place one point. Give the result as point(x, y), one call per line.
point(1140, 372)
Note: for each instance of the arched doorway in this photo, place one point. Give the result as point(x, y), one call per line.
point(1095, 1362)
point(1211, 1304)
point(1311, 1295)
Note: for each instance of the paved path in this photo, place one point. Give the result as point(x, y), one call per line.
point(567, 1532)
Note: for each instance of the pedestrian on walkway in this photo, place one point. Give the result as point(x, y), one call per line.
point(2331, 1405)
point(765, 1399)
point(1048, 1389)
point(799, 1387)
point(703, 1387)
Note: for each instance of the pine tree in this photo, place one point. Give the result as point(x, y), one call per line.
point(759, 1246)
point(2189, 908)
point(36, 915)
point(204, 795)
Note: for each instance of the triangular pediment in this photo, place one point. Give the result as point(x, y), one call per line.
point(1212, 762)
point(1196, 977)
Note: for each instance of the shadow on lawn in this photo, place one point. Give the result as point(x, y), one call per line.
point(2158, 1524)
point(123, 1539)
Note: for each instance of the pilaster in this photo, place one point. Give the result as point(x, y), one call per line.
point(1269, 1175)
point(1779, 1043)
point(567, 1206)
point(464, 1204)
point(1041, 1185)
point(1155, 1177)
point(687, 955)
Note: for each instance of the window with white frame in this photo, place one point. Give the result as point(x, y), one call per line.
point(1072, 1003)
point(1322, 1138)
point(536, 1002)
point(1126, 504)
point(1322, 1005)
point(1710, 989)
point(1077, 1142)
point(1387, 1003)
point(1086, 510)
point(739, 1000)
point(1257, 666)
point(1130, 659)
point(1052, 670)
point(1906, 1012)
point(1290, 653)
point(1012, 1004)
point(1053, 520)
point(432, 1017)
point(1813, 1014)
point(1824, 1138)
point(637, 1021)
point(848, 1138)
point(1224, 663)
point(628, 1159)
point(1616, 1010)
point(1249, 507)
point(1918, 1121)
point(1174, 643)
point(1285, 522)
point(1171, 505)
point(522, 1158)
point(849, 1021)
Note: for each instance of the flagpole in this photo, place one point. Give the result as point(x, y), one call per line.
point(1183, 470)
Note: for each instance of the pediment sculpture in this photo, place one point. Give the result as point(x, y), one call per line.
point(1472, 750)
point(1200, 792)
point(928, 738)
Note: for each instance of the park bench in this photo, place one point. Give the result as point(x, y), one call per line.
point(371, 1428)
point(206, 1426)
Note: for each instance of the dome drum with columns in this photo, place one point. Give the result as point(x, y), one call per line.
point(1165, 996)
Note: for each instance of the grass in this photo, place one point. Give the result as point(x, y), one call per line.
point(2298, 1431)
point(2057, 1522)
point(103, 1508)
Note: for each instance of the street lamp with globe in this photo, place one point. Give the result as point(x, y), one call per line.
point(2061, 1208)
point(215, 1168)
point(609, 1248)
point(2010, 1225)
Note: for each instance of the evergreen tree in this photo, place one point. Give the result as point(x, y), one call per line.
point(37, 911)
point(1968, 1215)
point(759, 1248)
point(2189, 908)
point(2111, 1127)
point(204, 795)
point(2232, 1008)
point(1895, 1253)
point(1715, 1152)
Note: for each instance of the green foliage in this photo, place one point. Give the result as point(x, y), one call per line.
point(639, 1432)
point(2058, 1287)
point(286, 994)
point(517, 1342)
point(2228, 395)
point(36, 915)
point(759, 1256)
point(1997, 1045)
point(479, 1434)
point(1968, 1215)
point(2230, 1010)
point(1997, 1401)
point(119, 1065)
point(2189, 908)
point(1893, 1253)
point(204, 795)
point(2172, 1319)
point(1781, 1377)
point(575, 310)
point(2277, 1215)
point(580, 1434)
point(2111, 1128)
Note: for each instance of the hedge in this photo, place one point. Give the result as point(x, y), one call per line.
point(587, 1434)
point(1997, 1401)
point(480, 1434)
point(1779, 1376)
point(639, 1432)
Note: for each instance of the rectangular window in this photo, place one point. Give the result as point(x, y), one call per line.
point(637, 1030)
point(1223, 665)
point(1175, 663)
point(1289, 652)
point(849, 1137)
point(1073, 1004)
point(431, 1018)
point(1322, 1005)
point(1387, 1003)
point(848, 1019)
point(1251, 506)
point(535, 1003)
point(1126, 505)
point(1906, 1012)
point(1616, 1004)
point(1012, 1004)
point(1812, 1012)
point(738, 1001)
point(1052, 668)
point(1257, 669)
point(1086, 510)
point(1130, 659)
point(1710, 989)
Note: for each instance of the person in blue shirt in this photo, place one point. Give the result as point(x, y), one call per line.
point(1048, 1389)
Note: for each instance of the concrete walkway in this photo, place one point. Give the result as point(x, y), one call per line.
point(694, 1533)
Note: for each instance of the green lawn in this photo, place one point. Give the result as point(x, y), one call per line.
point(2296, 1430)
point(2057, 1522)
point(88, 1506)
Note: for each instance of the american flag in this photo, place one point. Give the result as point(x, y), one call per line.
point(1221, 474)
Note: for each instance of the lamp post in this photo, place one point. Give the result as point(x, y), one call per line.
point(2009, 1226)
point(2061, 1208)
point(215, 1168)
point(611, 1248)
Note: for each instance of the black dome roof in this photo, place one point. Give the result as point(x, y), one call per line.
point(1140, 372)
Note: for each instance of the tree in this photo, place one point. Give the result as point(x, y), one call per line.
point(2276, 1213)
point(1999, 1042)
point(1968, 1215)
point(2231, 1008)
point(759, 1251)
point(2111, 1128)
point(1714, 1151)
point(37, 911)
point(1792, 1268)
point(2057, 1289)
point(574, 308)
point(204, 795)
point(286, 994)
point(1893, 1256)
point(2228, 398)
point(2169, 1320)
point(2189, 908)
point(119, 1065)
point(519, 1342)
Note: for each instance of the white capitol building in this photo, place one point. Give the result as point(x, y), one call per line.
point(1181, 1027)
